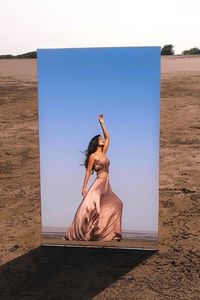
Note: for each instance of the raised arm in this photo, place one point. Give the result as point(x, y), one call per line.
point(105, 133)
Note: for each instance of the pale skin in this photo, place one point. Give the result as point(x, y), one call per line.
point(101, 151)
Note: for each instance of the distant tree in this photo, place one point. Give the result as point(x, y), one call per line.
point(167, 50)
point(28, 55)
point(194, 50)
point(6, 56)
point(32, 54)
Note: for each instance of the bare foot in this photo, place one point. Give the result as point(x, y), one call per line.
point(118, 237)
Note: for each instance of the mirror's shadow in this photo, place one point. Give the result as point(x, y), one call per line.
point(67, 273)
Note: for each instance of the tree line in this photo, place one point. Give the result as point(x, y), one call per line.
point(165, 50)
point(168, 50)
point(32, 54)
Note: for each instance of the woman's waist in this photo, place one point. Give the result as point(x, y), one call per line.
point(103, 174)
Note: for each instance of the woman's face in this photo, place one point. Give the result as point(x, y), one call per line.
point(101, 141)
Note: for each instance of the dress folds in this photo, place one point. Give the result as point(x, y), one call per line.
point(99, 215)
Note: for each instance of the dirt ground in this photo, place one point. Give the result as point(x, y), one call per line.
point(31, 271)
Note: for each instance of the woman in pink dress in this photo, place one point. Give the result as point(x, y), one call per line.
point(99, 215)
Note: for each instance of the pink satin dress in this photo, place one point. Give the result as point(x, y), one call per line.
point(99, 215)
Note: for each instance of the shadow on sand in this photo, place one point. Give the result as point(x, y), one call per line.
point(66, 273)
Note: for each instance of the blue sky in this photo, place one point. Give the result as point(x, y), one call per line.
point(74, 86)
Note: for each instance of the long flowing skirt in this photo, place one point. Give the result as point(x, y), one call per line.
point(99, 215)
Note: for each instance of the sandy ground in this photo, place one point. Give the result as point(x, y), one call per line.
point(31, 271)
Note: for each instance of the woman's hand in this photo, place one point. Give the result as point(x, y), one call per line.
point(83, 192)
point(100, 117)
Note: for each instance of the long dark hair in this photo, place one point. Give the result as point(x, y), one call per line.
point(92, 147)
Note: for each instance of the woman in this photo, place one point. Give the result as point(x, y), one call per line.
point(98, 216)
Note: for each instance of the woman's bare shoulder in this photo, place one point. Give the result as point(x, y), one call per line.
point(94, 156)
